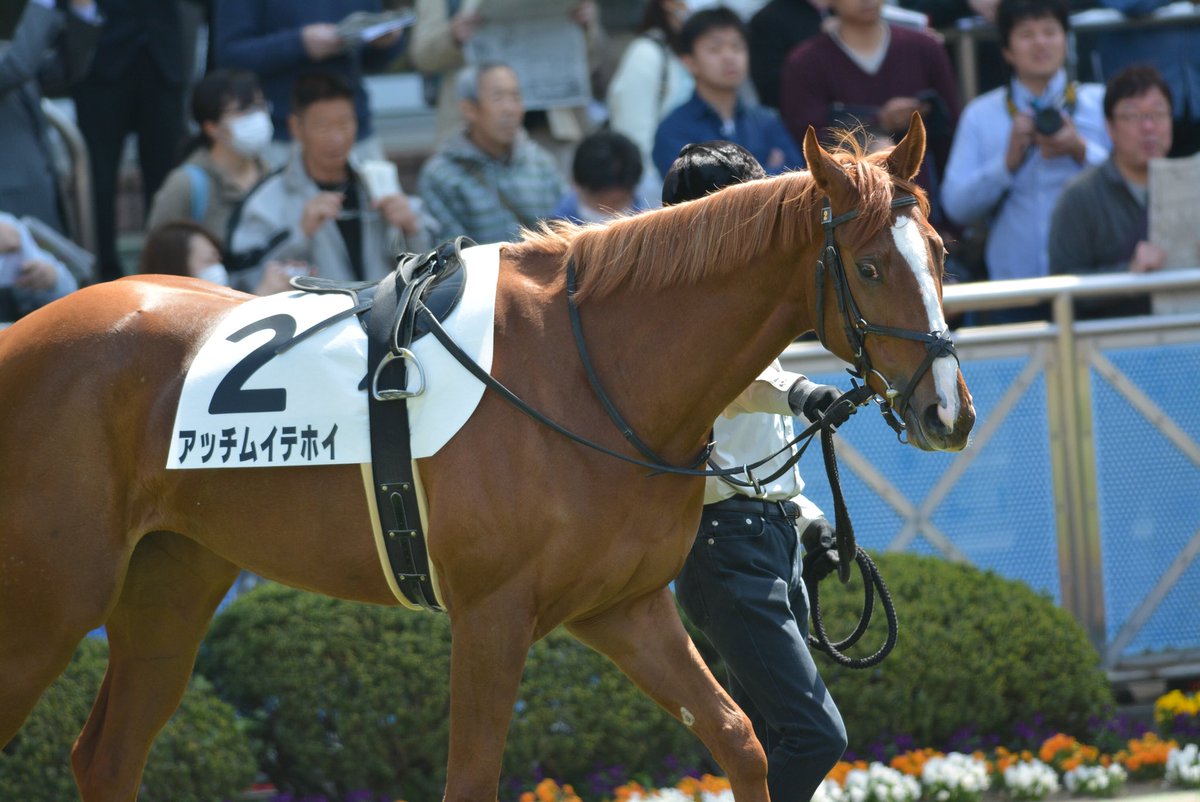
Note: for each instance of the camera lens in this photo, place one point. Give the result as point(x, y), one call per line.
point(1047, 121)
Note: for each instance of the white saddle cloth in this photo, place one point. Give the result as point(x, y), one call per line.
point(243, 406)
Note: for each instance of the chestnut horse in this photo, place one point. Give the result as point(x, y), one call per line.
point(527, 530)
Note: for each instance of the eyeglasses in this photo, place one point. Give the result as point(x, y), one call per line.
point(1142, 117)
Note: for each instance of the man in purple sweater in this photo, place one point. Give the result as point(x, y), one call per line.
point(862, 70)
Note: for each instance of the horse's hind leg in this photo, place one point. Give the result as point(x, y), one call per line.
point(29, 662)
point(646, 639)
point(171, 590)
point(53, 591)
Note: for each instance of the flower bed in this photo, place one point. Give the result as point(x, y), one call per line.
point(926, 775)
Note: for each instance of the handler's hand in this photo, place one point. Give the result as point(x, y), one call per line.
point(820, 551)
point(816, 402)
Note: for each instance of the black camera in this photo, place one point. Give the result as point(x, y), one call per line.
point(1048, 121)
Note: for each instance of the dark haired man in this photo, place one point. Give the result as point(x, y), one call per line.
point(1100, 223)
point(605, 173)
point(712, 45)
point(743, 584)
point(491, 178)
point(318, 208)
point(1018, 145)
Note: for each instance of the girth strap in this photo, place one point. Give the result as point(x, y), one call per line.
point(388, 325)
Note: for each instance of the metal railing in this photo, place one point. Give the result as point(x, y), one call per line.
point(965, 35)
point(76, 185)
point(1083, 473)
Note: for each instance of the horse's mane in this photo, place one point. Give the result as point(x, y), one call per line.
point(686, 243)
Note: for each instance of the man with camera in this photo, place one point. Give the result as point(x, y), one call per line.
point(1017, 146)
point(1101, 222)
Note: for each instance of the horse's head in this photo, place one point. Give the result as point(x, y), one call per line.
point(878, 303)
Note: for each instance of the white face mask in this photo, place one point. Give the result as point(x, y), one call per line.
point(250, 134)
point(217, 274)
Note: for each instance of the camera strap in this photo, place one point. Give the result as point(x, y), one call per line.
point(1070, 97)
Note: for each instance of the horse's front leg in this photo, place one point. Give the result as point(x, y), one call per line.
point(646, 639)
point(490, 641)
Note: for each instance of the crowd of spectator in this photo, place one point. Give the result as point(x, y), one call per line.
point(279, 170)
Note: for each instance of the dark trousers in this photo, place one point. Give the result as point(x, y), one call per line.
point(741, 586)
point(142, 102)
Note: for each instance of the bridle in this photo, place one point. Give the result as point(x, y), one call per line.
point(893, 403)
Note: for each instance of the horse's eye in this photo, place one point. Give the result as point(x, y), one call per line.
point(869, 271)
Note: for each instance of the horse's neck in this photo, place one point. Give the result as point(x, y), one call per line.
point(678, 357)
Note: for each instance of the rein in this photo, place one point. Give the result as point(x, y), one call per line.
point(893, 401)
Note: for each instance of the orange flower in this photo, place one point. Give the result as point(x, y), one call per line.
point(1064, 753)
point(839, 772)
point(705, 784)
point(625, 792)
point(1146, 757)
point(913, 763)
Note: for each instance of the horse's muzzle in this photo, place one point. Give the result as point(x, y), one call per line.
point(928, 432)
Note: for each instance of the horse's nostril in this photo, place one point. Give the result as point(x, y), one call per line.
point(933, 422)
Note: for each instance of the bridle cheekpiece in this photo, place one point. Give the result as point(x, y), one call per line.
point(893, 402)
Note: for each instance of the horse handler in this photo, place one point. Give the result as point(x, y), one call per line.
point(743, 583)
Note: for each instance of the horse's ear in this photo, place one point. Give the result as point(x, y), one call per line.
point(825, 170)
point(905, 159)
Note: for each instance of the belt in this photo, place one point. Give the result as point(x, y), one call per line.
point(757, 506)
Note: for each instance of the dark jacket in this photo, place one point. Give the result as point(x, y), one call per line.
point(49, 50)
point(1096, 226)
point(134, 26)
point(264, 36)
point(778, 27)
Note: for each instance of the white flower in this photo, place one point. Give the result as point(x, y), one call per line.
point(719, 796)
point(1095, 780)
point(880, 783)
point(828, 791)
point(955, 776)
point(1030, 780)
point(1183, 766)
point(666, 795)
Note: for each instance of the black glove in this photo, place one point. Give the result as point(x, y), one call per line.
point(816, 402)
point(820, 551)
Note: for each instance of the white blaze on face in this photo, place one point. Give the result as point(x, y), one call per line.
point(911, 245)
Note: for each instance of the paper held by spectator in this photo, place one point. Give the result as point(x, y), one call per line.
point(380, 177)
point(546, 49)
point(365, 26)
point(1175, 224)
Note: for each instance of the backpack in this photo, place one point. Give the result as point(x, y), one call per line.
point(198, 182)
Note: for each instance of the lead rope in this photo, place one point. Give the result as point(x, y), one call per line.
point(872, 581)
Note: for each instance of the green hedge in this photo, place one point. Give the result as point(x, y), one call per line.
point(202, 755)
point(976, 652)
point(346, 697)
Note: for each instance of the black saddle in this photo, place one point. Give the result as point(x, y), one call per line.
point(439, 274)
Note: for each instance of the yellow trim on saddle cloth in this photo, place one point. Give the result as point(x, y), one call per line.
point(373, 511)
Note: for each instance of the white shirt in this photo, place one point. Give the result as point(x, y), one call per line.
point(758, 423)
